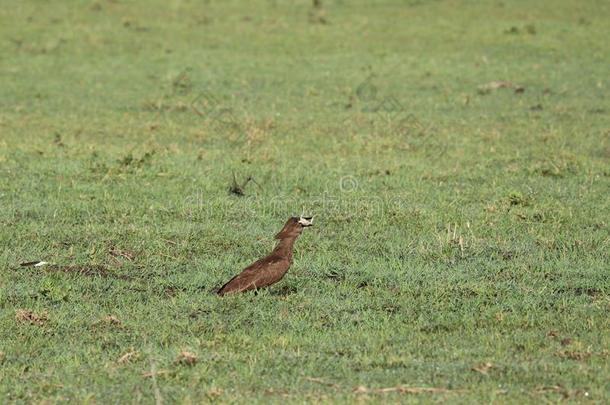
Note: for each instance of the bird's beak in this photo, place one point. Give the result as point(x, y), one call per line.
point(306, 221)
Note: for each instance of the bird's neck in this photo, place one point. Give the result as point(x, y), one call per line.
point(284, 247)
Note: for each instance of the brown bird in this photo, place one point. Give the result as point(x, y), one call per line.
point(271, 269)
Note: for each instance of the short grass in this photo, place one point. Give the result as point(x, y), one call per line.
point(461, 240)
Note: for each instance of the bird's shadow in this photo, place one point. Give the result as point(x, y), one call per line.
point(284, 291)
point(275, 292)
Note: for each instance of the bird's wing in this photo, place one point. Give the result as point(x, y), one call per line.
point(259, 274)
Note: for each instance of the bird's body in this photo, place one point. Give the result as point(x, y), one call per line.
point(272, 268)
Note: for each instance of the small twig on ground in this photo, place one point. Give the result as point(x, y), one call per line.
point(240, 189)
point(404, 390)
point(321, 381)
point(159, 372)
point(127, 357)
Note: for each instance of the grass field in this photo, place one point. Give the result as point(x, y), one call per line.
point(456, 154)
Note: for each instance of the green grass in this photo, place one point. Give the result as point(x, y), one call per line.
point(456, 230)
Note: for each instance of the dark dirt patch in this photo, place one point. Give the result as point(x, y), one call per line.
point(171, 291)
point(284, 291)
point(579, 291)
point(573, 354)
point(109, 322)
point(26, 316)
point(123, 254)
point(200, 313)
point(335, 276)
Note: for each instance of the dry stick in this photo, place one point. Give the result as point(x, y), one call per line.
point(321, 381)
point(160, 372)
point(127, 356)
point(405, 390)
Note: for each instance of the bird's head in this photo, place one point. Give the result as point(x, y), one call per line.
point(294, 226)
